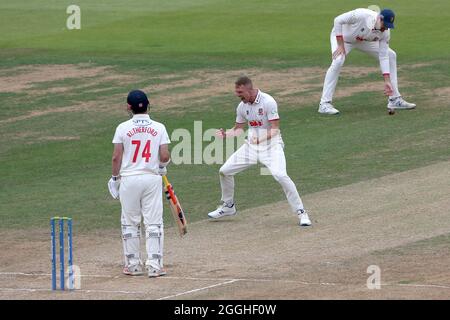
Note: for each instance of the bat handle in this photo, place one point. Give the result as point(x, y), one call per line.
point(166, 182)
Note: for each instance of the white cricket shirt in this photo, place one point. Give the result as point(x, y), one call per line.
point(258, 115)
point(357, 26)
point(141, 138)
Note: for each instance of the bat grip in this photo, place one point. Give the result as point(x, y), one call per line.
point(169, 190)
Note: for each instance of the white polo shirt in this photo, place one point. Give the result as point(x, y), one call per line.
point(258, 115)
point(357, 26)
point(141, 138)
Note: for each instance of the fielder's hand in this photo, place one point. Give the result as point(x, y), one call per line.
point(254, 140)
point(388, 89)
point(340, 50)
point(220, 133)
point(113, 186)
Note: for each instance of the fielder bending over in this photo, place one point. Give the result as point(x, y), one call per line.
point(369, 32)
point(264, 144)
point(140, 157)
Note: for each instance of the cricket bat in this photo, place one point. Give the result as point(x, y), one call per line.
point(175, 207)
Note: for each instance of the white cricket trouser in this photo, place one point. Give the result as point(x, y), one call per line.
point(272, 157)
point(141, 197)
point(369, 47)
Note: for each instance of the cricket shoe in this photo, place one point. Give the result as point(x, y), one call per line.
point(223, 211)
point(399, 103)
point(304, 219)
point(154, 272)
point(134, 270)
point(327, 108)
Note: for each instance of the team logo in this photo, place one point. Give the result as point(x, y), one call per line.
point(260, 111)
point(362, 30)
point(392, 19)
point(246, 112)
point(255, 123)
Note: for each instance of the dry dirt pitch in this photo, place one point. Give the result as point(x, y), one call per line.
point(399, 222)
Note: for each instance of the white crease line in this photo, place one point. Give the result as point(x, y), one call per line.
point(24, 289)
point(165, 277)
point(176, 278)
point(199, 289)
point(31, 290)
point(107, 276)
point(418, 285)
point(77, 290)
point(249, 280)
point(49, 275)
point(23, 274)
point(111, 291)
point(230, 279)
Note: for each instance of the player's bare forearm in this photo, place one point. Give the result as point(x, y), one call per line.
point(270, 133)
point(237, 130)
point(164, 159)
point(273, 131)
point(340, 49)
point(116, 166)
point(117, 159)
point(164, 153)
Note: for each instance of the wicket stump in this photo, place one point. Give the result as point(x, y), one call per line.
point(61, 252)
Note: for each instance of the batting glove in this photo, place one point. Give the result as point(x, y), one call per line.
point(162, 171)
point(113, 186)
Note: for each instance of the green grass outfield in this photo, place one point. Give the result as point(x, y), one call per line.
point(42, 178)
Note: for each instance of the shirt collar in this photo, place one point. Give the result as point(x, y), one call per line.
point(142, 116)
point(258, 97)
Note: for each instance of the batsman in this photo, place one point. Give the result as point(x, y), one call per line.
point(140, 158)
point(264, 144)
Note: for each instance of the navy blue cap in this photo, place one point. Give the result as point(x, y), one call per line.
point(388, 17)
point(138, 101)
